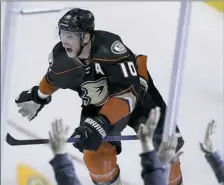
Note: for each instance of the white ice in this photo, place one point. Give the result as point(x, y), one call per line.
point(145, 27)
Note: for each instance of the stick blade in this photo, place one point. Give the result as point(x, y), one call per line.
point(10, 140)
point(14, 142)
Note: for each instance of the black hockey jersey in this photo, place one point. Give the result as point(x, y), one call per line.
point(108, 78)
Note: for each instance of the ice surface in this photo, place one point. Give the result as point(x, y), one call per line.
point(145, 27)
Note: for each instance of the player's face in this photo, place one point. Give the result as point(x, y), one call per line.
point(71, 42)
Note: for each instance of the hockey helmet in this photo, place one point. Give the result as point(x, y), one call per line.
point(77, 20)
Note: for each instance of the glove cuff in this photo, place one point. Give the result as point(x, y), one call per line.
point(100, 124)
point(37, 99)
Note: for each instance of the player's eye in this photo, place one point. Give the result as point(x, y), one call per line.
point(70, 37)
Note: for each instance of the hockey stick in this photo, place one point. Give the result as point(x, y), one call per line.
point(15, 142)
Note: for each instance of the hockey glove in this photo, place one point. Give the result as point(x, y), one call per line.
point(30, 104)
point(91, 133)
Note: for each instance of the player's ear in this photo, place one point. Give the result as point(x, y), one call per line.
point(86, 38)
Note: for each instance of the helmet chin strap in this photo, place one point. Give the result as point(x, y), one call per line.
point(82, 40)
point(82, 44)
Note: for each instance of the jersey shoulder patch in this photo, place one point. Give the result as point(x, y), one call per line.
point(108, 47)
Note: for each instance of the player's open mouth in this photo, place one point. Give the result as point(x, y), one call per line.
point(69, 50)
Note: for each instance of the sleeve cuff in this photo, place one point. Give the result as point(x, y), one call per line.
point(150, 161)
point(60, 160)
point(216, 164)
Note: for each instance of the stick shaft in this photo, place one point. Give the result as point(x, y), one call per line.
point(12, 141)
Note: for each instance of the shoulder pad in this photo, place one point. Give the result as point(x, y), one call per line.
point(58, 60)
point(108, 47)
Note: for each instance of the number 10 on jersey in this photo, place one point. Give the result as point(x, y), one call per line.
point(128, 68)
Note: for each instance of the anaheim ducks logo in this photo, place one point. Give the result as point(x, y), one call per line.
point(118, 48)
point(95, 92)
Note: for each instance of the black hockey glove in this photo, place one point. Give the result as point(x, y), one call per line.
point(91, 132)
point(30, 103)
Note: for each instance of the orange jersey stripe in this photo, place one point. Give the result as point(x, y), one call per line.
point(120, 105)
point(46, 88)
point(115, 109)
point(142, 66)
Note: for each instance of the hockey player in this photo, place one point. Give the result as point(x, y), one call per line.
point(211, 155)
point(114, 85)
